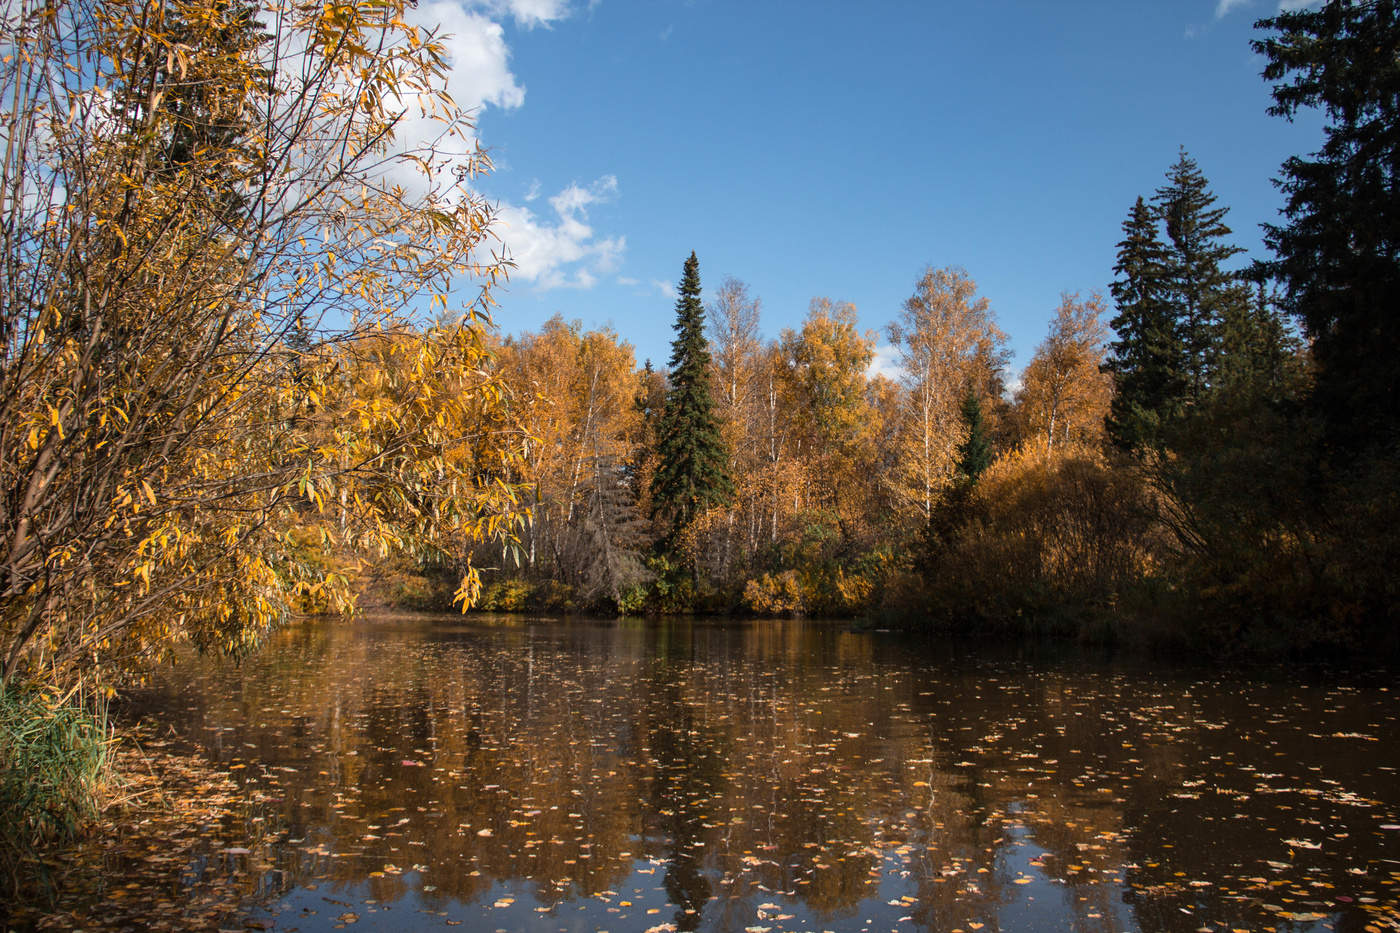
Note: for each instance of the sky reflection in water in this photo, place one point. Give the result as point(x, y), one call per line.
point(428, 773)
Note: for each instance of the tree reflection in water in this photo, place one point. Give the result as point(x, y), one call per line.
point(659, 776)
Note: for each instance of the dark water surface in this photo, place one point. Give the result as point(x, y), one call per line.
point(426, 773)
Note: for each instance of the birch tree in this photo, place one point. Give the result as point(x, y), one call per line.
point(948, 342)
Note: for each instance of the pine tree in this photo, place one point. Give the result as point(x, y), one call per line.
point(1339, 253)
point(1147, 359)
point(975, 452)
point(1203, 294)
point(692, 465)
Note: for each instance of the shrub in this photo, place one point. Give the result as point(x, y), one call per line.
point(507, 595)
point(775, 594)
point(1044, 540)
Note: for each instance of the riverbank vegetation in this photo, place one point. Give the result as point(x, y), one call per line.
point(230, 368)
point(1203, 458)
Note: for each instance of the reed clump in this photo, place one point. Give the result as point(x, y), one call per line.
point(54, 751)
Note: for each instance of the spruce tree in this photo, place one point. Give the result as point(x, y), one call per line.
point(1147, 359)
point(692, 465)
point(1258, 354)
point(1339, 252)
point(975, 452)
point(1203, 294)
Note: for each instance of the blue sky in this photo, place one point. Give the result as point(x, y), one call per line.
point(837, 149)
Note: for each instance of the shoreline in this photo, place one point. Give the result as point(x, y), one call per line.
point(163, 840)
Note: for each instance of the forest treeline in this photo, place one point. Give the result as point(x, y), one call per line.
point(221, 406)
point(1204, 456)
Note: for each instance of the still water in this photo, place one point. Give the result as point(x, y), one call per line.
point(427, 773)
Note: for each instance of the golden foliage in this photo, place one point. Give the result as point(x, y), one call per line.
point(209, 387)
point(949, 344)
point(822, 381)
point(1042, 531)
point(775, 594)
point(1065, 394)
point(574, 395)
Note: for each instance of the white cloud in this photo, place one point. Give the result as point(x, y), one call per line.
point(627, 280)
point(562, 252)
point(884, 363)
point(478, 77)
point(534, 191)
point(574, 200)
point(1225, 7)
point(666, 289)
point(477, 55)
point(530, 13)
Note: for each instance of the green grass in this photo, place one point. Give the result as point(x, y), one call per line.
point(53, 761)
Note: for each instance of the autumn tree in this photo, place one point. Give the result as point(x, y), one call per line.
point(613, 535)
point(781, 478)
point(733, 319)
point(648, 403)
point(574, 394)
point(692, 465)
point(823, 381)
point(948, 340)
point(1065, 393)
point(204, 249)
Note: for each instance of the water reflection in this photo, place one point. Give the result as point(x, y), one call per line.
point(640, 776)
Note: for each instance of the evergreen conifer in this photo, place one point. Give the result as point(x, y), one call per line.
point(1146, 359)
point(1258, 353)
point(1339, 252)
point(1202, 293)
point(975, 452)
point(692, 465)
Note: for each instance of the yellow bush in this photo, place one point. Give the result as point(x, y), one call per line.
point(775, 594)
point(1044, 531)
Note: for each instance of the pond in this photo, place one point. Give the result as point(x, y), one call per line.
point(427, 773)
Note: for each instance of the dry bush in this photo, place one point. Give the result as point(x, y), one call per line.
point(1044, 539)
